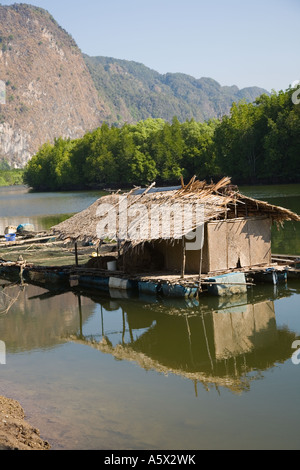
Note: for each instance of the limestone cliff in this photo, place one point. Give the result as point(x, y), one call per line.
point(48, 89)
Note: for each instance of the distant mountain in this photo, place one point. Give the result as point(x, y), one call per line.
point(134, 92)
point(53, 90)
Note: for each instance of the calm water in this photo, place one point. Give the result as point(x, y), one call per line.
point(285, 241)
point(43, 210)
point(100, 371)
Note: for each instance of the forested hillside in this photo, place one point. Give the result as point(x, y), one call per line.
point(257, 142)
point(135, 92)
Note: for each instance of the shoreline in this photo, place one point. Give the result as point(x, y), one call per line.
point(15, 432)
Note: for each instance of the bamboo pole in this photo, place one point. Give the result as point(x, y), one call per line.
point(25, 241)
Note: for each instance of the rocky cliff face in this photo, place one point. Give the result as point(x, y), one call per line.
point(48, 89)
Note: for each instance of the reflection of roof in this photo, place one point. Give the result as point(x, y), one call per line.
point(216, 199)
point(126, 353)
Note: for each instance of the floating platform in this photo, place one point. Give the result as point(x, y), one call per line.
point(43, 248)
point(167, 285)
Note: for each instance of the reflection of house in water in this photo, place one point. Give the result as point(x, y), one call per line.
point(214, 344)
point(240, 330)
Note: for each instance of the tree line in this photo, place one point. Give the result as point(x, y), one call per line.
point(257, 142)
point(9, 176)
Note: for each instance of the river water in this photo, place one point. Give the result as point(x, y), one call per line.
point(99, 371)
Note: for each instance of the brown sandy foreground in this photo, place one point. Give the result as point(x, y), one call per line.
point(15, 432)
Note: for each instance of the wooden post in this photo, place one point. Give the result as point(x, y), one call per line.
point(201, 261)
point(102, 323)
point(76, 254)
point(124, 327)
point(80, 315)
point(183, 258)
point(98, 248)
point(22, 265)
point(200, 270)
point(227, 253)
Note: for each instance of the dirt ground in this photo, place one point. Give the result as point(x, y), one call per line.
point(15, 432)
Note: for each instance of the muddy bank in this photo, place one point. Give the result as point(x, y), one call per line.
point(15, 432)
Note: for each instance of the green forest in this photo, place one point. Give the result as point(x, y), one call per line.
point(134, 92)
point(257, 142)
point(9, 176)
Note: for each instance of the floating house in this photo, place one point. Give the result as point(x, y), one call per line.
point(172, 242)
point(194, 229)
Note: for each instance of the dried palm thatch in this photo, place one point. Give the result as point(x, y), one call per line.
point(170, 213)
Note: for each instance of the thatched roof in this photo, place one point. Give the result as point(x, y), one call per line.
point(144, 215)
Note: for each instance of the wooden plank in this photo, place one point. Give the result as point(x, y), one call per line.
point(228, 283)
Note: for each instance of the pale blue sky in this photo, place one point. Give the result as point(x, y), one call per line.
point(236, 42)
